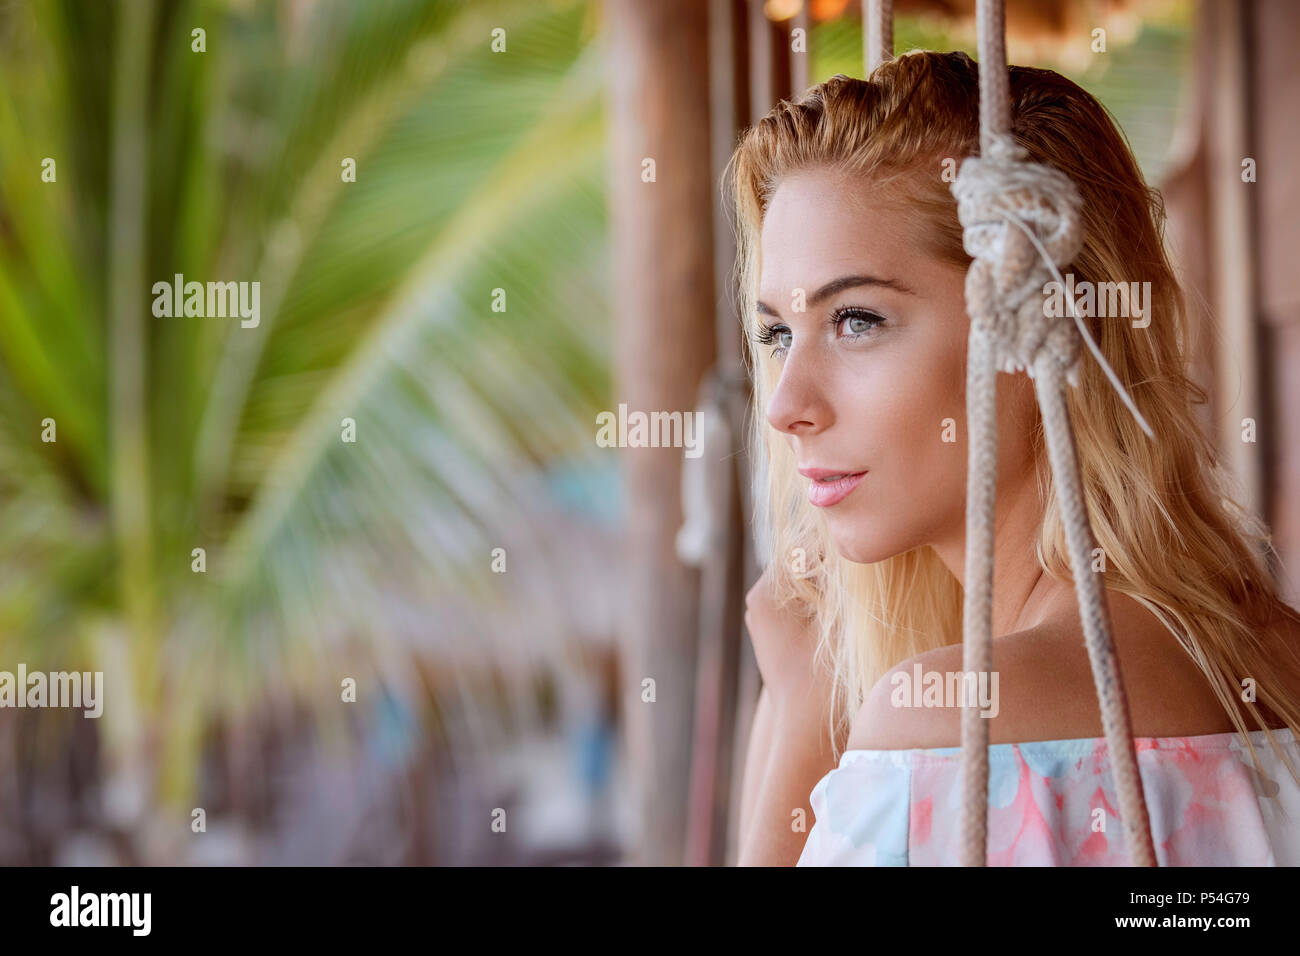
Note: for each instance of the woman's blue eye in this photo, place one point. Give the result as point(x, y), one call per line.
point(779, 335)
point(857, 321)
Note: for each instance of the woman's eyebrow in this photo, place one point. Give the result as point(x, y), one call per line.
point(839, 285)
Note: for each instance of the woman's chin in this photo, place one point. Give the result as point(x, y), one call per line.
point(859, 547)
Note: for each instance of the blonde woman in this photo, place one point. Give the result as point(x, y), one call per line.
point(852, 275)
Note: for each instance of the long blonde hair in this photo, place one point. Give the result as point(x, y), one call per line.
point(1173, 537)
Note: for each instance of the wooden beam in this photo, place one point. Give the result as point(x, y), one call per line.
point(1237, 374)
point(664, 342)
point(1274, 142)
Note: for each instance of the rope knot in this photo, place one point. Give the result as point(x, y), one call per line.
point(1014, 211)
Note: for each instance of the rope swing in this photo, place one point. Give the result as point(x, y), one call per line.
point(878, 32)
point(1020, 221)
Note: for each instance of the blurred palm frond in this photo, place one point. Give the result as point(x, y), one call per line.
point(475, 171)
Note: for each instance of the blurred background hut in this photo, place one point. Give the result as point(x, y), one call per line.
point(393, 477)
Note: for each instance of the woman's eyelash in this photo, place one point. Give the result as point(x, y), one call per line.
point(770, 334)
point(766, 334)
point(852, 312)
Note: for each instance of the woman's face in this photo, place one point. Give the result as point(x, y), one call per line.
point(873, 369)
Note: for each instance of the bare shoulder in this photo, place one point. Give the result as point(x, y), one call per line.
point(1042, 688)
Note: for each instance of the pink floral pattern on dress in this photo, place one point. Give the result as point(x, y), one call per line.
point(1053, 803)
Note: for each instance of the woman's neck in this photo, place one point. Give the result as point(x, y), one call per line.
point(1023, 594)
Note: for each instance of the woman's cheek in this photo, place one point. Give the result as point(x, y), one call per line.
point(904, 407)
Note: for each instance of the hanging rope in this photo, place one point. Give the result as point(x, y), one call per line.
point(1010, 331)
point(877, 32)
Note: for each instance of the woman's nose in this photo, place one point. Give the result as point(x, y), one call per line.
point(798, 406)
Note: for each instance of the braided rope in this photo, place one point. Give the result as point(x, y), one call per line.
point(1010, 330)
point(977, 608)
point(995, 93)
point(1095, 616)
point(877, 32)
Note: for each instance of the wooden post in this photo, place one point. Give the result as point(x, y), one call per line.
point(663, 288)
point(769, 62)
point(1272, 26)
point(722, 648)
point(1237, 375)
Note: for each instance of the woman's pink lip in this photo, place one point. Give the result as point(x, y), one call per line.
point(823, 494)
point(815, 473)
